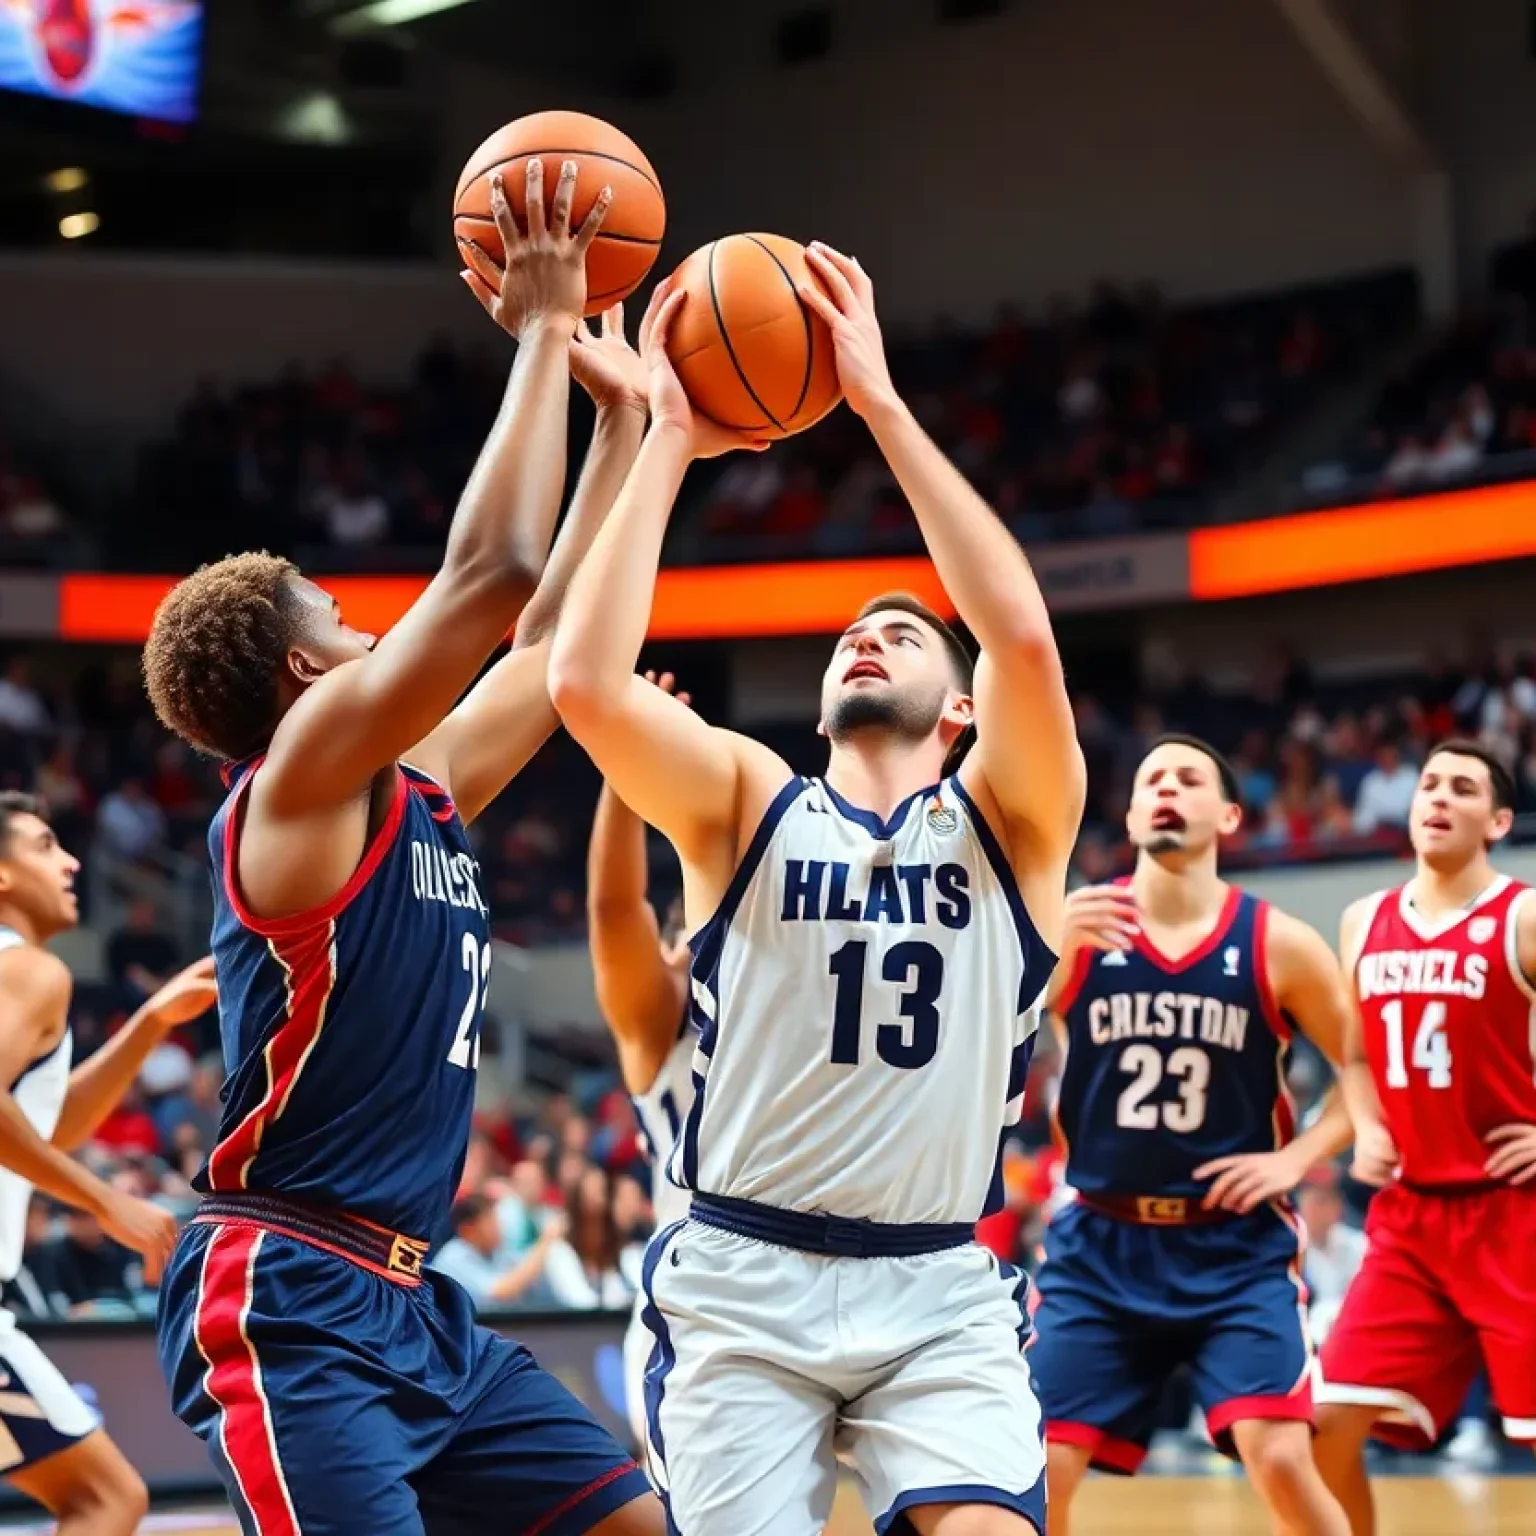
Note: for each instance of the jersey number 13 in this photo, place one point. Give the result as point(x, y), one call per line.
point(915, 966)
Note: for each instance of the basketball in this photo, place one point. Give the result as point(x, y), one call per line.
point(631, 235)
point(748, 352)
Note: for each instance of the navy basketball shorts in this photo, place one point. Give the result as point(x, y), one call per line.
point(1122, 1306)
point(336, 1400)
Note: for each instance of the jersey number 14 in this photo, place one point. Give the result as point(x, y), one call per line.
point(1431, 1049)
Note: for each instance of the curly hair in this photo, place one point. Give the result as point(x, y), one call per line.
point(215, 650)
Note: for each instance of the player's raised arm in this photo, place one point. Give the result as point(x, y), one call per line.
point(640, 995)
point(507, 717)
point(1376, 1156)
point(358, 718)
point(679, 774)
point(1027, 752)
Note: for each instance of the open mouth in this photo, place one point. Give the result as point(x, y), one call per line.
point(866, 669)
point(1437, 823)
point(1166, 819)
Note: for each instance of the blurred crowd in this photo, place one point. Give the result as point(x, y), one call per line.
point(1122, 412)
point(1463, 409)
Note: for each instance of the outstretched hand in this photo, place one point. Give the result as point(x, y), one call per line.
point(545, 273)
point(670, 405)
point(845, 299)
point(606, 366)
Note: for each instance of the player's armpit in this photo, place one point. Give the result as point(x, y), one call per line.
point(1306, 983)
point(35, 988)
point(1026, 751)
point(693, 782)
point(1525, 938)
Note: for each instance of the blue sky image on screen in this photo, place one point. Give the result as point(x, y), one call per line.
point(139, 57)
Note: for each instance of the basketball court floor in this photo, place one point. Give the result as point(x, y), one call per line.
point(1458, 1505)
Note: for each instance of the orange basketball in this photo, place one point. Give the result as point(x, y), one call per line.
point(619, 258)
point(748, 352)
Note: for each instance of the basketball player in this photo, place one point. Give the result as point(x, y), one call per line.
point(1174, 1000)
point(867, 953)
point(340, 1388)
point(641, 970)
point(1442, 1087)
point(51, 1444)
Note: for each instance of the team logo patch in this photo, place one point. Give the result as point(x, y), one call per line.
point(1481, 929)
point(1113, 957)
point(942, 819)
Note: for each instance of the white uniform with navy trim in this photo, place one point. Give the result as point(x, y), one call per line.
point(661, 1110)
point(40, 1413)
point(865, 997)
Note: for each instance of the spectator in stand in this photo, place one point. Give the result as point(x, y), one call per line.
point(470, 1256)
point(1335, 1249)
point(82, 1267)
point(583, 1268)
point(1386, 792)
point(141, 956)
point(129, 823)
point(21, 706)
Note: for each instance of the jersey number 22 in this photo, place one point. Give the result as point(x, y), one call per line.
point(466, 1040)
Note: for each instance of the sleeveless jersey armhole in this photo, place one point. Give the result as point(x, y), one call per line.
point(1512, 949)
point(313, 917)
point(1269, 1004)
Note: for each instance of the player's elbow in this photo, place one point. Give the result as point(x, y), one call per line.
point(505, 580)
point(579, 687)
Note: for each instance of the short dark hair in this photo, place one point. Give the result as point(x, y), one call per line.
point(468, 1208)
point(14, 803)
point(954, 647)
point(1500, 779)
point(1225, 772)
point(215, 649)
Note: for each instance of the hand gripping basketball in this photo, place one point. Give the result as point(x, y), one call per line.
point(545, 276)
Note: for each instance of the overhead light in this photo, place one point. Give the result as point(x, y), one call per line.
point(74, 225)
point(316, 118)
point(69, 178)
point(391, 13)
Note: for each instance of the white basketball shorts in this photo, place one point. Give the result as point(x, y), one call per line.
point(770, 1365)
point(40, 1413)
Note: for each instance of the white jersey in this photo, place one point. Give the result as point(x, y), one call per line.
point(39, 1093)
point(865, 998)
point(661, 1110)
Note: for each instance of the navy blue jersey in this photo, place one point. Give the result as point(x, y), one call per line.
point(352, 1032)
point(1172, 1063)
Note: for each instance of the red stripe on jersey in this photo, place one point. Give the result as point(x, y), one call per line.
point(309, 966)
point(1207, 946)
point(233, 1380)
point(299, 922)
point(1274, 1015)
point(1082, 963)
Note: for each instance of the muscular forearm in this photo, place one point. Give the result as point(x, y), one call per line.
point(44, 1165)
point(603, 623)
point(615, 443)
point(979, 562)
point(97, 1085)
point(506, 515)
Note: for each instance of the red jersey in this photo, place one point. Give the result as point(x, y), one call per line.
point(1450, 1030)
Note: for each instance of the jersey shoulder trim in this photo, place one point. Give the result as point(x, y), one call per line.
point(1039, 957)
point(39, 1062)
point(1370, 909)
point(327, 912)
point(1269, 1004)
point(1523, 894)
point(879, 829)
point(436, 796)
point(720, 919)
point(1082, 964)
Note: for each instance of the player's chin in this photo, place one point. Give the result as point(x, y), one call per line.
point(1165, 840)
point(69, 908)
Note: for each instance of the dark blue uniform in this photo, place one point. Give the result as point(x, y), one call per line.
point(1170, 1064)
point(339, 1385)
